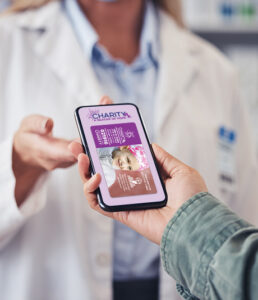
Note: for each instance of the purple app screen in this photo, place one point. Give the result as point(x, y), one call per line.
point(120, 153)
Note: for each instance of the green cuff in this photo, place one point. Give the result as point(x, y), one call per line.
point(193, 236)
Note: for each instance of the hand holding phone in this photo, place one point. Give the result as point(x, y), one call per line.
point(114, 138)
point(181, 181)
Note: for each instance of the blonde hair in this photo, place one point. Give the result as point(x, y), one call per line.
point(22, 5)
point(173, 7)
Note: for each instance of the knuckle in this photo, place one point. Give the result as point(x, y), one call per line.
point(194, 172)
point(190, 171)
point(87, 190)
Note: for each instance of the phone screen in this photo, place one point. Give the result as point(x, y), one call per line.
point(116, 142)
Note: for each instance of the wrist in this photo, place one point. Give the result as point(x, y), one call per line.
point(165, 217)
point(26, 176)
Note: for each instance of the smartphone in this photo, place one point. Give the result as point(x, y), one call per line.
point(114, 138)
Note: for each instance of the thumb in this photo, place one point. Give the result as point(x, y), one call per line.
point(105, 100)
point(166, 162)
point(37, 124)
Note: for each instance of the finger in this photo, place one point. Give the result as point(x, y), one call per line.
point(105, 100)
point(93, 183)
point(91, 198)
point(90, 188)
point(37, 124)
point(54, 149)
point(84, 167)
point(75, 148)
point(167, 162)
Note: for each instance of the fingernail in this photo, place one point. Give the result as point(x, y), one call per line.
point(105, 100)
point(46, 124)
point(93, 178)
point(43, 124)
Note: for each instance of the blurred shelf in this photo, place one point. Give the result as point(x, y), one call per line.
point(225, 38)
point(222, 16)
point(225, 27)
point(227, 33)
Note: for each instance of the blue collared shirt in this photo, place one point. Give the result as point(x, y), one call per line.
point(133, 256)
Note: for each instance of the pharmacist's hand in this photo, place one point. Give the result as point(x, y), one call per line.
point(181, 181)
point(36, 151)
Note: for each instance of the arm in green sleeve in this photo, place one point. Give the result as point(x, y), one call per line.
point(211, 252)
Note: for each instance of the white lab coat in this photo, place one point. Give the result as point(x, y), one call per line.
point(55, 246)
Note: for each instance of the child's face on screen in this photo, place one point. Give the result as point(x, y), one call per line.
point(125, 160)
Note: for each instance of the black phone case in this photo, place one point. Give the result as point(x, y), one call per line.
point(102, 204)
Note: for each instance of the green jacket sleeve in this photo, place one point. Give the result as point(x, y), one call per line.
point(211, 252)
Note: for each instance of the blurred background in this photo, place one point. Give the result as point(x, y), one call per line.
point(232, 25)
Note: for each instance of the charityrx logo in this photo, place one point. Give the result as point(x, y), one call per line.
point(96, 115)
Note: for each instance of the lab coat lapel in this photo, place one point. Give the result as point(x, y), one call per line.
point(57, 44)
point(51, 36)
point(178, 70)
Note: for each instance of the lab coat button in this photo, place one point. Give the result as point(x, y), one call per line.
point(103, 259)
